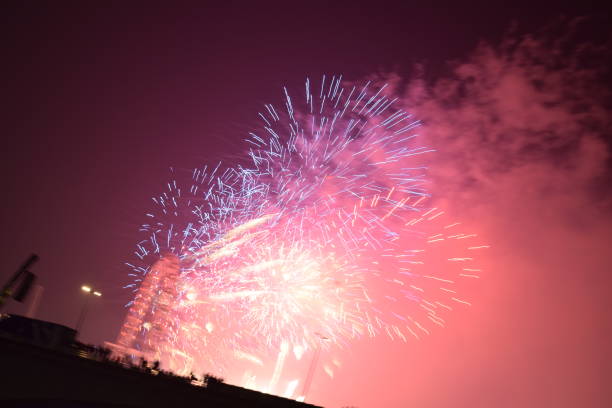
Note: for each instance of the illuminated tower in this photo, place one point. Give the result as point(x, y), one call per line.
point(148, 324)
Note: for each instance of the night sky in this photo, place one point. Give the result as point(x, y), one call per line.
point(99, 103)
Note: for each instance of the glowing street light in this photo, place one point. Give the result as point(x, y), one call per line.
point(89, 291)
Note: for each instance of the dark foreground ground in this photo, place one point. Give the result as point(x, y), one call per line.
point(35, 376)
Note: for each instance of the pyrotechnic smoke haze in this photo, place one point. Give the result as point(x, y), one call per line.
point(522, 131)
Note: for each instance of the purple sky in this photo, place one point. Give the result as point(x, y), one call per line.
point(100, 102)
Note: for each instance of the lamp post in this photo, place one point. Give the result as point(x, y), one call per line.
point(313, 365)
point(90, 292)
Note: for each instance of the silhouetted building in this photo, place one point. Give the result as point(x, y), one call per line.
point(36, 332)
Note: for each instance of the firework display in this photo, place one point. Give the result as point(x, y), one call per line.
point(323, 230)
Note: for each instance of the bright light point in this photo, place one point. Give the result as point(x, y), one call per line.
point(96, 293)
point(85, 288)
point(209, 327)
point(291, 386)
point(298, 351)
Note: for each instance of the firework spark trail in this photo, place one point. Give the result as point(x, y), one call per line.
point(324, 230)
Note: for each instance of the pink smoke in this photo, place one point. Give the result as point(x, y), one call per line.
point(522, 132)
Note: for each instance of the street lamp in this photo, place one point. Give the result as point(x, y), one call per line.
point(313, 365)
point(90, 292)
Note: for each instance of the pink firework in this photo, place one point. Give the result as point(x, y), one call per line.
point(326, 233)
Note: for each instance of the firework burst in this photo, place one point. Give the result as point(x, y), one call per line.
point(324, 231)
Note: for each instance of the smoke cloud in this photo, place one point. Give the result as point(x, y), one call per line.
point(522, 132)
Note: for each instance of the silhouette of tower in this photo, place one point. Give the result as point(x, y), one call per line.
point(149, 324)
